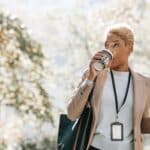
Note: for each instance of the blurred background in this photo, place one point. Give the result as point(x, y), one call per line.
point(45, 46)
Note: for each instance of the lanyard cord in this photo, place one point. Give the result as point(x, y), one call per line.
point(115, 92)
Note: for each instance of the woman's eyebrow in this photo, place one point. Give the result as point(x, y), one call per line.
point(112, 41)
point(116, 41)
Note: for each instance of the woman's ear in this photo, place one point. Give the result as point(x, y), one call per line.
point(130, 46)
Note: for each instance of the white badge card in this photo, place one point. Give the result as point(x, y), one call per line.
point(117, 131)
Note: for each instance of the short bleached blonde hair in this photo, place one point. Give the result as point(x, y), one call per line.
point(124, 31)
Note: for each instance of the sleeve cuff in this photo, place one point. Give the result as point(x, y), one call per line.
point(89, 82)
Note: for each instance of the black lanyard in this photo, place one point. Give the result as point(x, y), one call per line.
point(115, 92)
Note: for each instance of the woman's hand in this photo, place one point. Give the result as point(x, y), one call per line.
point(92, 71)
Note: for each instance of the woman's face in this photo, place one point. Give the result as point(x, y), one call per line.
point(119, 48)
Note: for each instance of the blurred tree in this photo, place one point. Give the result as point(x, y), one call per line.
point(21, 75)
point(21, 70)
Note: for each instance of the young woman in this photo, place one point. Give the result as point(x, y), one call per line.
point(121, 97)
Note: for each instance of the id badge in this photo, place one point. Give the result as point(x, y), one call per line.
point(116, 131)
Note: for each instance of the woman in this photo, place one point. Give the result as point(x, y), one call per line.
point(121, 97)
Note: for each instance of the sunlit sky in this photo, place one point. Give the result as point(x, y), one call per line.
point(34, 13)
point(38, 4)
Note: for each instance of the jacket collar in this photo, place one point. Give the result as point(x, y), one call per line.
point(138, 92)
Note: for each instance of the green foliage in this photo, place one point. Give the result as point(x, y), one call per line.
point(21, 75)
point(22, 70)
point(45, 144)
